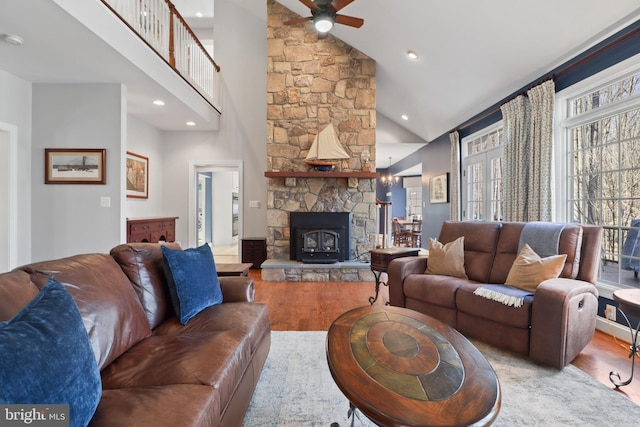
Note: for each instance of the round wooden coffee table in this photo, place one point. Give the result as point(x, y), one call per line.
point(400, 367)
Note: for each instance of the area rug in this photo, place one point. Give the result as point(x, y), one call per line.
point(296, 390)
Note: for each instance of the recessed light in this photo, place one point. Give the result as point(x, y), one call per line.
point(404, 117)
point(412, 55)
point(190, 123)
point(11, 39)
point(199, 15)
point(158, 102)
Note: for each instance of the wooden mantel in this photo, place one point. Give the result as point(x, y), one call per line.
point(318, 174)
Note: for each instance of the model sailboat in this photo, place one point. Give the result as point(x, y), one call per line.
point(325, 150)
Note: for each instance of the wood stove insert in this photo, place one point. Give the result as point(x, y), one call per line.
point(320, 237)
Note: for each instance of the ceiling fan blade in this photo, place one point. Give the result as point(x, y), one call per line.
point(298, 21)
point(336, 5)
point(310, 4)
point(349, 20)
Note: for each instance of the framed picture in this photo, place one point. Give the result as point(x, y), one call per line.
point(75, 166)
point(439, 189)
point(137, 176)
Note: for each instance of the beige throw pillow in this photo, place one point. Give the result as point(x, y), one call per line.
point(529, 270)
point(447, 260)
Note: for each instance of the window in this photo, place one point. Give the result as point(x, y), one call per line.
point(482, 171)
point(413, 188)
point(606, 95)
point(599, 133)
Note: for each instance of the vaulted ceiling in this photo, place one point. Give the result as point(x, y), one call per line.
point(471, 53)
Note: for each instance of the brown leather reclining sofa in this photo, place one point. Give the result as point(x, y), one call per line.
point(155, 371)
point(553, 325)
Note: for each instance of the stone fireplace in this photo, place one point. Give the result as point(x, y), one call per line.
point(311, 83)
point(347, 203)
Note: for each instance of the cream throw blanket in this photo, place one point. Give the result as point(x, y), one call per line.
point(504, 294)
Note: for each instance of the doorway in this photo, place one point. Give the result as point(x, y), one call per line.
point(413, 188)
point(203, 202)
point(8, 197)
point(216, 209)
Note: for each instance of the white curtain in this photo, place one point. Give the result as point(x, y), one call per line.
point(454, 183)
point(528, 149)
point(515, 122)
point(540, 182)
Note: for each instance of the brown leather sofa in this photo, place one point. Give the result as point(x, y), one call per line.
point(155, 371)
point(553, 325)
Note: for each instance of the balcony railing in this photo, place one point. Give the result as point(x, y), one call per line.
point(161, 26)
point(616, 264)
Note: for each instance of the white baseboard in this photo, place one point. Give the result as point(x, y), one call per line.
point(621, 332)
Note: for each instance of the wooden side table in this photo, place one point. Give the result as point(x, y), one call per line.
point(233, 269)
point(380, 259)
point(628, 302)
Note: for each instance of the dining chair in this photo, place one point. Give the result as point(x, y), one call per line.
point(416, 233)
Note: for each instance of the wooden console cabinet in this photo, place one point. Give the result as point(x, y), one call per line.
point(151, 230)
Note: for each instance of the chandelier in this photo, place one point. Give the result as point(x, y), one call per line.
point(389, 180)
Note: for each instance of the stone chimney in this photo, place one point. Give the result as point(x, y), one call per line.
point(312, 82)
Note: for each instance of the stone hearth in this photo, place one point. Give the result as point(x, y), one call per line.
point(295, 271)
point(286, 195)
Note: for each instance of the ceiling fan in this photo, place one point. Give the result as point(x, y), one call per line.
point(324, 13)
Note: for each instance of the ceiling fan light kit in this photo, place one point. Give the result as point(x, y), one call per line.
point(324, 15)
point(323, 23)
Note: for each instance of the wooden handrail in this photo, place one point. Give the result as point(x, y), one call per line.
point(153, 35)
point(175, 12)
point(172, 47)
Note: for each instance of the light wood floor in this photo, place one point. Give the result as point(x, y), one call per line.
point(304, 306)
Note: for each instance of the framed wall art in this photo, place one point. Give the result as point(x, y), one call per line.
point(137, 176)
point(75, 166)
point(439, 189)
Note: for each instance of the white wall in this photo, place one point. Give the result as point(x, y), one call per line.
point(180, 149)
point(146, 141)
point(4, 199)
point(241, 51)
point(15, 110)
point(69, 219)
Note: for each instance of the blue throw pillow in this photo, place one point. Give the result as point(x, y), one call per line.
point(46, 356)
point(192, 279)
